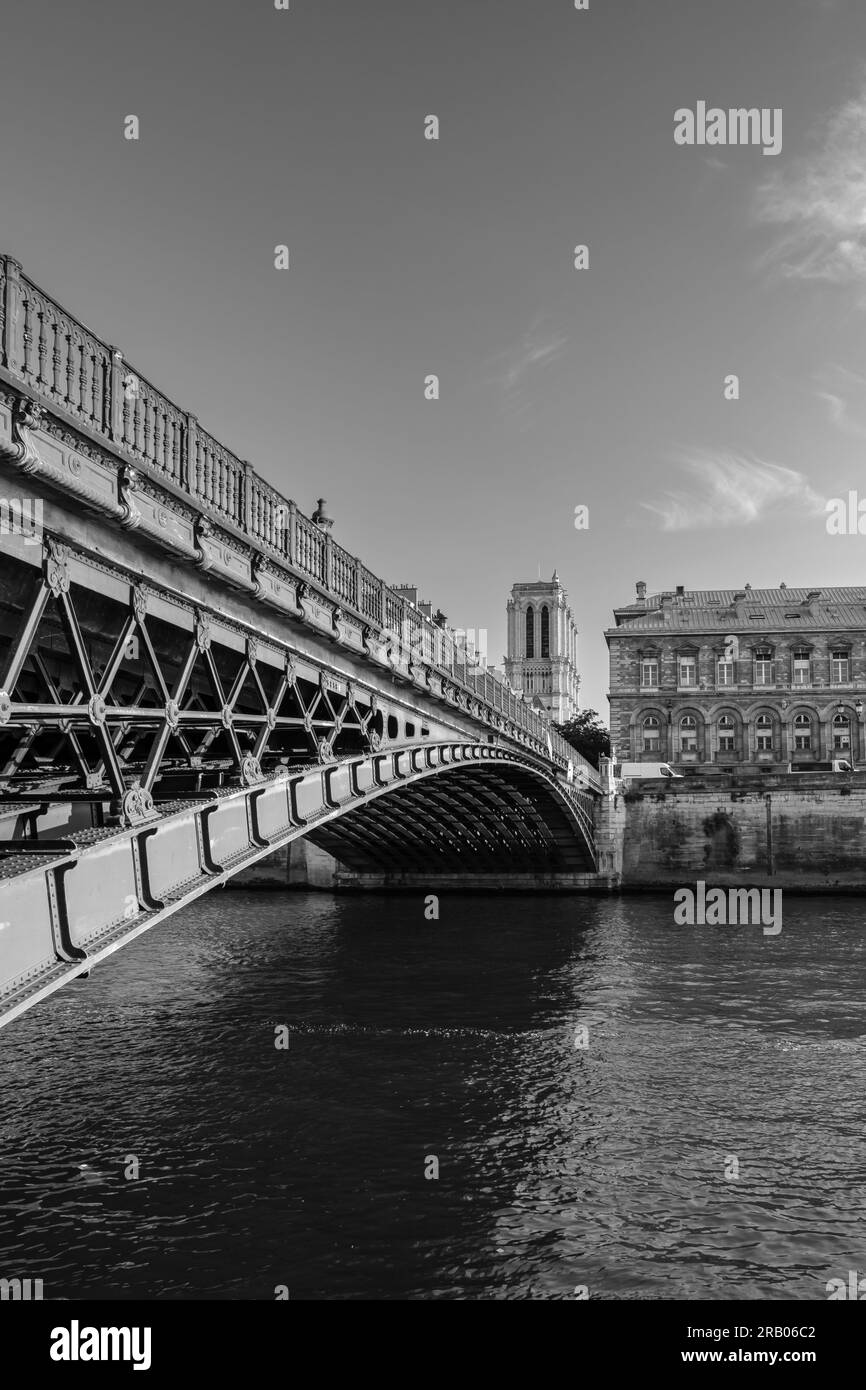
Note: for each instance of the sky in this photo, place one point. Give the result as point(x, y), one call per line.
point(560, 387)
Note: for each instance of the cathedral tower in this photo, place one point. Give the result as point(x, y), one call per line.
point(542, 647)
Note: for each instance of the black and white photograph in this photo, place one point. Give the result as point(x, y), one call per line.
point(432, 670)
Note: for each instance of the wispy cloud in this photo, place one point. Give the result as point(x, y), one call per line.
point(836, 386)
point(819, 203)
point(731, 490)
point(517, 371)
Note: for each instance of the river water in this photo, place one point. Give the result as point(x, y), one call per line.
point(707, 1141)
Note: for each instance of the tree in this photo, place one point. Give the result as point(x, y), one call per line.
point(587, 734)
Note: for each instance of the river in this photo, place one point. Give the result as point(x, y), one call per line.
point(617, 1106)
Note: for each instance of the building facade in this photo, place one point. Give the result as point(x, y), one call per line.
point(757, 676)
point(542, 647)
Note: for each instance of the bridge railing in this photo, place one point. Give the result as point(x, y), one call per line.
point(57, 358)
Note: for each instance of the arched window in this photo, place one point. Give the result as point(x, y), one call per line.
point(726, 733)
point(841, 732)
point(802, 731)
point(530, 631)
point(545, 631)
point(763, 733)
point(689, 733)
point(650, 734)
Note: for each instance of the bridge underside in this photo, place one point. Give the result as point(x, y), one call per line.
point(499, 819)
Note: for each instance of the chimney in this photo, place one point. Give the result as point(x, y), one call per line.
point(680, 590)
point(640, 589)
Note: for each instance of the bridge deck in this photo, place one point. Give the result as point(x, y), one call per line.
point(84, 382)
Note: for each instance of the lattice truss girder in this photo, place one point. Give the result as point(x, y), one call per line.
point(111, 700)
point(475, 820)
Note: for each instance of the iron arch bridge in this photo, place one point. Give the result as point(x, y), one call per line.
point(72, 901)
point(193, 674)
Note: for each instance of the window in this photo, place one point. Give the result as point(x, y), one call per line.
point(763, 667)
point(545, 631)
point(839, 666)
point(689, 734)
point(802, 666)
point(650, 734)
point(687, 671)
point(649, 672)
point(530, 631)
point(726, 734)
point(724, 671)
point(841, 732)
point(763, 733)
point(802, 731)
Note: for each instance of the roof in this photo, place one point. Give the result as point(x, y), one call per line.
point(759, 610)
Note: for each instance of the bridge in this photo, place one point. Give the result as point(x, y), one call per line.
point(193, 674)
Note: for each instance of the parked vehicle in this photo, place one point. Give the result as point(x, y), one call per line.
point(645, 770)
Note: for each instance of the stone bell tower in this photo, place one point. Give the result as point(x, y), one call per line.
point(542, 647)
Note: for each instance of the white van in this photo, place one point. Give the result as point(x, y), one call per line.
point(645, 770)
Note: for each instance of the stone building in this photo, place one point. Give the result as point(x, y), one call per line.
point(724, 676)
point(542, 647)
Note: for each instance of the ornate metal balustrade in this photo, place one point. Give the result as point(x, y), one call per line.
point(84, 382)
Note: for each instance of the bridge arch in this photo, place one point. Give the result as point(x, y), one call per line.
point(502, 817)
point(69, 903)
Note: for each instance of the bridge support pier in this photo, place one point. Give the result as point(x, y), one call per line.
point(609, 835)
point(299, 864)
point(310, 867)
